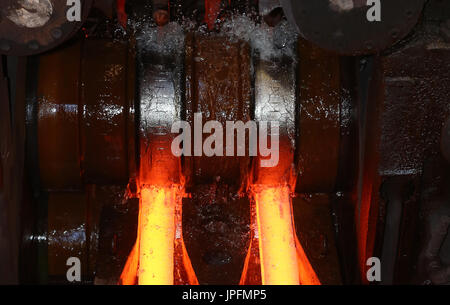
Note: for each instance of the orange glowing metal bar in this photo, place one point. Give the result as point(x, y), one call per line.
point(157, 234)
point(277, 246)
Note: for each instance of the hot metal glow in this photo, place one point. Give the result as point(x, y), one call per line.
point(277, 249)
point(283, 261)
point(157, 234)
point(159, 255)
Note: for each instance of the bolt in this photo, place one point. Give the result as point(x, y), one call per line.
point(56, 33)
point(394, 33)
point(33, 45)
point(161, 17)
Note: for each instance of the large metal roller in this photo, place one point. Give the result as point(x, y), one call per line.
point(218, 85)
point(105, 103)
point(318, 120)
point(160, 64)
point(275, 101)
point(216, 219)
point(57, 105)
point(343, 25)
point(83, 109)
point(96, 226)
point(67, 234)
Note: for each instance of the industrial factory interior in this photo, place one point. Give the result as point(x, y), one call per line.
point(225, 142)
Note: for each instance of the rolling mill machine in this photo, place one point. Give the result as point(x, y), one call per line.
point(94, 94)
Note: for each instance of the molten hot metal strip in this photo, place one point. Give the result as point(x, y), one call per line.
point(157, 235)
point(283, 261)
point(159, 256)
point(277, 244)
point(159, 227)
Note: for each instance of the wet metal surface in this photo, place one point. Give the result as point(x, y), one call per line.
point(160, 79)
point(117, 235)
point(66, 235)
point(275, 98)
point(218, 85)
point(216, 229)
point(415, 106)
point(318, 120)
point(85, 114)
point(216, 220)
point(104, 140)
point(58, 118)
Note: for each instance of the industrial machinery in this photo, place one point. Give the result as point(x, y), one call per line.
point(224, 142)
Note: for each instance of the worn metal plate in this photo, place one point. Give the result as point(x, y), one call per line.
point(32, 27)
point(343, 26)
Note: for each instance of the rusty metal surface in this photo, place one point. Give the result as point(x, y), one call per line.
point(342, 26)
point(218, 85)
point(407, 105)
point(216, 232)
point(318, 120)
point(216, 220)
point(105, 111)
point(315, 231)
point(32, 27)
point(415, 107)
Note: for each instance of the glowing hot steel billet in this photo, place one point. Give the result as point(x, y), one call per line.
point(157, 234)
point(277, 246)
